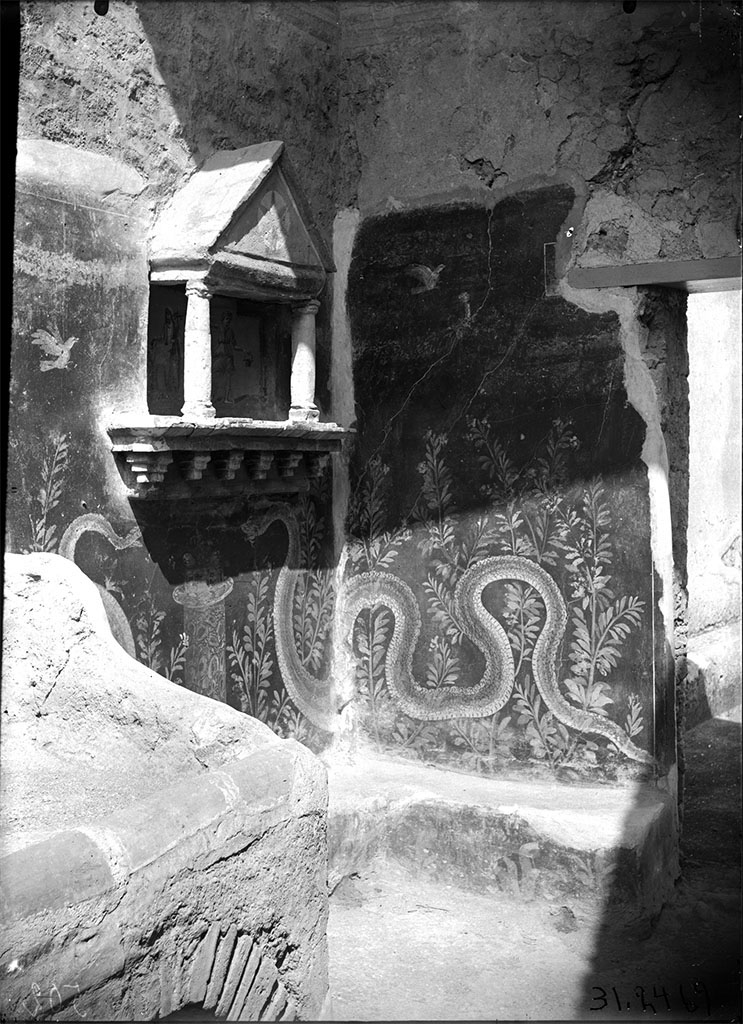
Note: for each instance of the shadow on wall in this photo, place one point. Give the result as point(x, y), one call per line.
point(274, 79)
point(499, 520)
point(681, 959)
point(500, 576)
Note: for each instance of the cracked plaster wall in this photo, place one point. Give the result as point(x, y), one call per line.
point(467, 103)
point(161, 86)
point(396, 103)
point(639, 113)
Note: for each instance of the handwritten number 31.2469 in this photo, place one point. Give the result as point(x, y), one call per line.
point(601, 997)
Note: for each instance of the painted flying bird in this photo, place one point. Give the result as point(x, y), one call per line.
point(54, 346)
point(428, 278)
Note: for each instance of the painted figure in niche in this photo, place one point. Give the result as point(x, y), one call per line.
point(172, 349)
point(166, 355)
point(223, 367)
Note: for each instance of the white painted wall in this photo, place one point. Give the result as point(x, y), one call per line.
point(714, 321)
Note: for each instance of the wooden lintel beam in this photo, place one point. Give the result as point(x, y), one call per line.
point(687, 275)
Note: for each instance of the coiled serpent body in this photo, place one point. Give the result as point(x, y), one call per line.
point(316, 697)
point(93, 522)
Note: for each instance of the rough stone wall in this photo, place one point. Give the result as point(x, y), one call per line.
point(161, 86)
point(638, 112)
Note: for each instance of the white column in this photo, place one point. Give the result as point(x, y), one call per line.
point(303, 362)
point(197, 354)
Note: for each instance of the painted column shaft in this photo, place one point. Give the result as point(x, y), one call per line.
point(203, 622)
point(205, 657)
point(197, 354)
point(303, 362)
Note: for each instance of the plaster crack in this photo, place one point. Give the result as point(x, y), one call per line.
point(54, 682)
point(485, 170)
point(488, 288)
point(107, 350)
point(458, 333)
point(518, 336)
point(607, 403)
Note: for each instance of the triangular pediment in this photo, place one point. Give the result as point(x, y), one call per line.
point(241, 212)
point(270, 227)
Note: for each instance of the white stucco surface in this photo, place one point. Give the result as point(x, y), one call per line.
point(714, 322)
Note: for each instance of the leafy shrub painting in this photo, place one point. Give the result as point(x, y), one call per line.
point(254, 671)
point(532, 510)
point(49, 494)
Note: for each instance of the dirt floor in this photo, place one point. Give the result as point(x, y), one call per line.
point(405, 948)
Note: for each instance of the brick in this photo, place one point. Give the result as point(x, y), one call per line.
point(251, 969)
point(221, 963)
point(234, 975)
point(203, 965)
point(277, 1003)
point(290, 1011)
point(259, 992)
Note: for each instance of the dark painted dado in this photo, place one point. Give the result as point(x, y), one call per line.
point(495, 436)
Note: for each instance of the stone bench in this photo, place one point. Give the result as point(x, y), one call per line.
point(200, 882)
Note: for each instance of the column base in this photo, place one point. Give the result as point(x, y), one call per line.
point(304, 413)
point(199, 411)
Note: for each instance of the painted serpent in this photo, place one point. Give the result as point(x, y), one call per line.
point(93, 522)
point(317, 700)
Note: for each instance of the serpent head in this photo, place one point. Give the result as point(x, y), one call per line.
point(260, 522)
point(252, 530)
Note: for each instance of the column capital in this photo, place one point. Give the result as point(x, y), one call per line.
point(308, 308)
point(199, 288)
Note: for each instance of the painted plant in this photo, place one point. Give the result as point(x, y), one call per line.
point(528, 510)
point(45, 501)
point(254, 661)
point(250, 654)
point(151, 647)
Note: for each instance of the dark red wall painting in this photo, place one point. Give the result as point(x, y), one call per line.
point(500, 566)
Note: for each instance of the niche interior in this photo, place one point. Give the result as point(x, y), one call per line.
point(237, 271)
